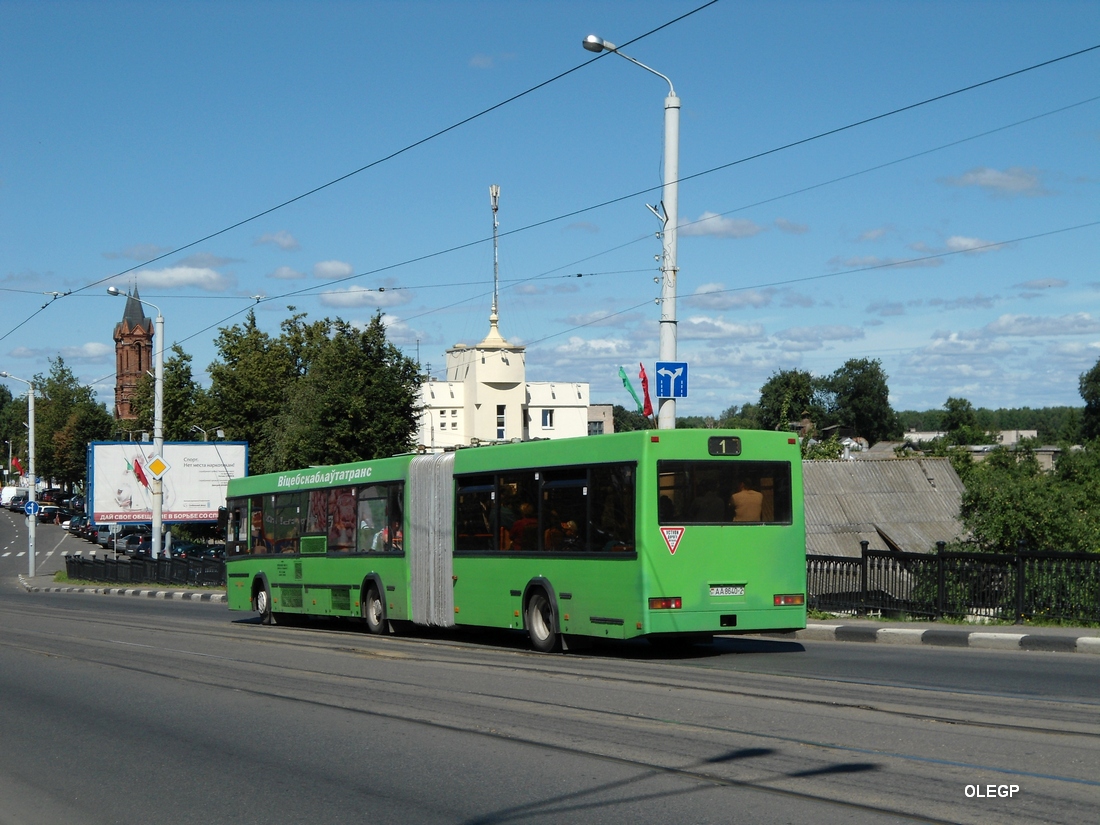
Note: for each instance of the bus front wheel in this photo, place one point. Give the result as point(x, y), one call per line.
point(263, 606)
point(374, 613)
point(540, 623)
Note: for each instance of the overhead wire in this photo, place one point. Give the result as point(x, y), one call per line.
point(648, 236)
point(589, 208)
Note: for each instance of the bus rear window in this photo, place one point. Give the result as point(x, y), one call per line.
point(724, 492)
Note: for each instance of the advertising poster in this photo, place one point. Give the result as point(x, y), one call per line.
point(194, 483)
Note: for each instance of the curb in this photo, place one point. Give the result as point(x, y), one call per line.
point(978, 640)
point(184, 595)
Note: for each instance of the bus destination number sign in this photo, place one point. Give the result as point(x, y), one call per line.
point(724, 445)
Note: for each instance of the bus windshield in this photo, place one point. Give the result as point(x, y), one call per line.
point(724, 492)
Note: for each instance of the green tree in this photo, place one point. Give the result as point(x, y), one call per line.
point(250, 387)
point(1009, 501)
point(1089, 385)
point(66, 418)
point(785, 396)
point(629, 420)
point(184, 402)
point(13, 414)
point(320, 392)
point(357, 399)
point(745, 418)
point(862, 399)
point(960, 423)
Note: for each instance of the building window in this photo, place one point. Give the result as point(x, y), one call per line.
point(501, 436)
point(548, 419)
point(595, 428)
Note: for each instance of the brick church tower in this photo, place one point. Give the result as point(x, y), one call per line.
point(133, 355)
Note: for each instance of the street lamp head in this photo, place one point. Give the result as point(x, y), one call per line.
point(113, 290)
point(597, 44)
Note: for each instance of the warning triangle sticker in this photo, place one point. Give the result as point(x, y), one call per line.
point(672, 537)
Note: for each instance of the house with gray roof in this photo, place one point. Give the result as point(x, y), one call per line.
point(902, 504)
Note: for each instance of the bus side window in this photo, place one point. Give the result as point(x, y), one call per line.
point(613, 493)
point(474, 516)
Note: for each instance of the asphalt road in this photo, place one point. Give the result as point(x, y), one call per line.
point(120, 709)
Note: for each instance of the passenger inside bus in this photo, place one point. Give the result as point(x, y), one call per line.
point(747, 503)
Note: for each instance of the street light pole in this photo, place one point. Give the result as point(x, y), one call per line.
point(32, 524)
point(156, 484)
point(670, 194)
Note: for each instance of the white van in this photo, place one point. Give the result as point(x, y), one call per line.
point(8, 493)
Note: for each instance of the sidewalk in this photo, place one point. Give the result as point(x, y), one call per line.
point(980, 637)
point(46, 584)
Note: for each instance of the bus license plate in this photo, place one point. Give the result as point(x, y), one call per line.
point(727, 590)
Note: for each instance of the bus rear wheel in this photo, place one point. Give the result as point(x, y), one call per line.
point(374, 612)
point(540, 623)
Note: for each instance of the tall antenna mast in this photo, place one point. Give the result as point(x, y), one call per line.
point(494, 199)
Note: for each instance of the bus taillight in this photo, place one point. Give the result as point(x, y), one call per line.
point(789, 599)
point(666, 603)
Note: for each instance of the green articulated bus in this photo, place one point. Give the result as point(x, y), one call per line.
point(665, 534)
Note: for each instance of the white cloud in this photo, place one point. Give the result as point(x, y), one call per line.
point(286, 273)
point(399, 332)
point(332, 269)
point(1042, 283)
point(784, 225)
point(282, 239)
point(176, 277)
point(958, 243)
point(489, 61)
point(874, 234)
point(578, 347)
point(886, 308)
point(1007, 183)
point(809, 338)
point(702, 327)
point(92, 352)
point(797, 299)
point(358, 296)
point(602, 318)
point(978, 301)
point(206, 260)
point(584, 226)
point(138, 252)
point(1078, 323)
point(716, 296)
point(714, 225)
point(875, 262)
point(963, 343)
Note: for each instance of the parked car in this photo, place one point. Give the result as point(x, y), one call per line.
point(48, 513)
point(132, 545)
point(186, 550)
point(120, 539)
point(76, 523)
point(16, 503)
point(103, 535)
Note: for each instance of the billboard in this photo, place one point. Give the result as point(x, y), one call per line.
point(194, 481)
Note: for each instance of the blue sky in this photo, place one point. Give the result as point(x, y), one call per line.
point(132, 129)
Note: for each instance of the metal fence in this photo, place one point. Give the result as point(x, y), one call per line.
point(1008, 586)
point(122, 570)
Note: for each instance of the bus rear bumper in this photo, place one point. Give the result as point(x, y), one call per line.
point(772, 619)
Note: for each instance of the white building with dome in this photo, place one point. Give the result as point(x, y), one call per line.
point(486, 398)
